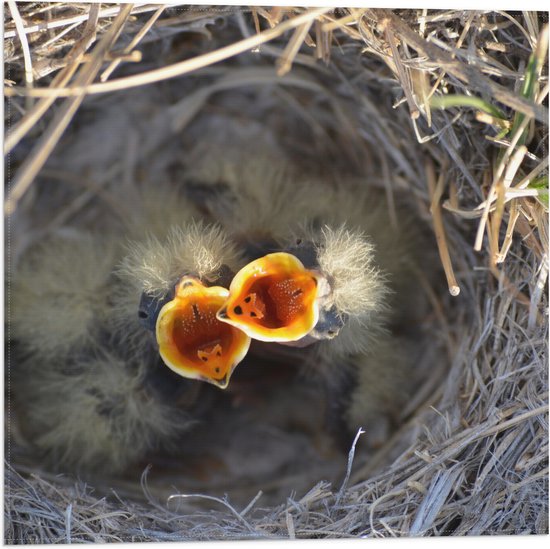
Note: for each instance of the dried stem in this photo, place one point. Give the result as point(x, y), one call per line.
point(436, 190)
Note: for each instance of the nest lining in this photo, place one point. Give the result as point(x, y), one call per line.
point(470, 454)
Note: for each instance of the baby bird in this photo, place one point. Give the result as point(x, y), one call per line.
point(79, 401)
point(97, 316)
point(177, 284)
point(95, 410)
point(59, 293)
point(324, 286)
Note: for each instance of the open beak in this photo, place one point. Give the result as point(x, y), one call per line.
point(192, 341)
point(273, 298)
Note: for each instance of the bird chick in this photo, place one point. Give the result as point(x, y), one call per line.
point(91, 389)
point(59, 294)
point(273, 298)
point(172, 288)
point(82, 402)
point(327, 288)
point(95, 413)
point(192, 341)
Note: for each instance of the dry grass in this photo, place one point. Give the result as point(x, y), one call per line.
point(445, 110)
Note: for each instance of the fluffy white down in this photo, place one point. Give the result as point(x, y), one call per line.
point(60, 292)
point(153, 264)
point(94, 413)
point(348, 259)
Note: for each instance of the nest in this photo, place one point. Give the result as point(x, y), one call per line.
point(442, 109)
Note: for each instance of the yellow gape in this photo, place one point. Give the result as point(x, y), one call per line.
point(273, 298)
point(192, 341)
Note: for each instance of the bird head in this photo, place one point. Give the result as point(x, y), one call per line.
point(273, 298)
point(192, 341)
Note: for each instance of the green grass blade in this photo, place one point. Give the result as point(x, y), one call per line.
point(529, 86)
point(541, 185)
point(457, 100)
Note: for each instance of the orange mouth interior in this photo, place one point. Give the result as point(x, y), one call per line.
point(273, 299)
point(192, 341)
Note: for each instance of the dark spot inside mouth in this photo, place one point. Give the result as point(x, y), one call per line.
point(205, 359)
point(219, 354)
point(252, 313)
point(238, 310)
point(217, 370)
point(296, 293)
point(196, 312)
